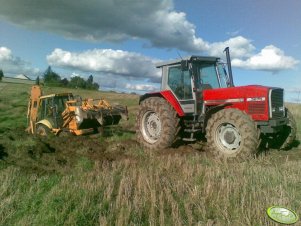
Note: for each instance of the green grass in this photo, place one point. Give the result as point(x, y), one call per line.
point(13, 104)
point(110, 180)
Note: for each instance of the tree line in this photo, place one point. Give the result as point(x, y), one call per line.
point(51, 78)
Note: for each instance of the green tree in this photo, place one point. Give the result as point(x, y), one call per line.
point(64, 82)
point(38, 80)
point(51, 78)
point(95, 86)
point(77, 82)
point(1, 74)
point(91, 84)
point(90, 80)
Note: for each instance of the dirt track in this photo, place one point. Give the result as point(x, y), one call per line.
point(62, 154)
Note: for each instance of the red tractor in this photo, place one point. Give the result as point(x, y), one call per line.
point(198, 96)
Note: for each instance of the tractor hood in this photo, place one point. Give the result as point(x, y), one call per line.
point(261, 102)
point(252, 99)
point(236, 94)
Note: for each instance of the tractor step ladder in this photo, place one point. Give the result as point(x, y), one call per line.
point(191, 130)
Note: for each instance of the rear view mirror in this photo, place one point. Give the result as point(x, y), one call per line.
point(184, 65)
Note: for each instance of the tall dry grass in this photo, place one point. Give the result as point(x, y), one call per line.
point(159, 190)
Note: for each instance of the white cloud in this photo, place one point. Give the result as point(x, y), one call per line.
point(107, 61)
point(5, 53)
point(142, 87)
point(12, 65)
point(239, 47)
point(74, 74)
point(270, 58)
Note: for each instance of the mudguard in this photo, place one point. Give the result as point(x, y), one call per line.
point(169, 97)
point(46, 123)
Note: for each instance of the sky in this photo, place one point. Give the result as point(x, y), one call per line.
point(120, 41)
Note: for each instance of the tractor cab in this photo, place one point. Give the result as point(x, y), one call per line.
point(188, 78)
point(52, 107)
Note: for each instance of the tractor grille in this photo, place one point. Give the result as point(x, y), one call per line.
point(276, 103)
point(256, 107)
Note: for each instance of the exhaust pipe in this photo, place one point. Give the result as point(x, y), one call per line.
point(229, 66)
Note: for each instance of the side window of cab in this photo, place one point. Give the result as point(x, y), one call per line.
point(180, 82)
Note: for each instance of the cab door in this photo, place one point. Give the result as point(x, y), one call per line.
point(207, 76)
point(59, 105)
point(180, 83)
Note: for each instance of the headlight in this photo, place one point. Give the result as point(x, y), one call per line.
point(279, 109)
point(79, 115)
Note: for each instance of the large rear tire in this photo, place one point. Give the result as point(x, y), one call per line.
point(232, 133)
point(157, 124)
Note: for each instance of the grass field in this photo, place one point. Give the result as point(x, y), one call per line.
point(110, 180)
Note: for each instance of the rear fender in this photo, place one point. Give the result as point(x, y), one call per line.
point(46, 123)
point(168, 96)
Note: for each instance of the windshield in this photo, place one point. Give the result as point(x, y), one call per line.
point(207, 76)
point(211, 76)
point(59, 102)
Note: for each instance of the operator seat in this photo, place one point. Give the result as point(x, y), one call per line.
point(206, 86)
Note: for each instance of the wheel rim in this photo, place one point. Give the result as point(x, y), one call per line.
point(151, 127)
point(228, 138)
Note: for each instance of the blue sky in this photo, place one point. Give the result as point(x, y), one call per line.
point(119, 41)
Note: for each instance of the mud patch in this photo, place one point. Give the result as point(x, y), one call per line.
point(184, 149)
point(3, 153)
point(63, 153)
point(53, 154)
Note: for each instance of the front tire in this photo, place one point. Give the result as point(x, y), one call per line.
point(232, 133)
point(157, 124)
point(42, 130)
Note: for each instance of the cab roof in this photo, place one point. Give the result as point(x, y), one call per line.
point(189, 58)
